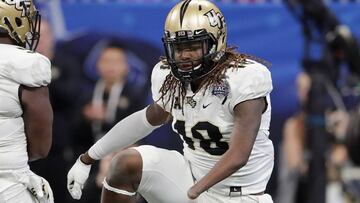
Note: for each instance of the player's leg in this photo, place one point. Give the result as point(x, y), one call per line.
point(210, 197)
point(123, 178)
point(20, 195)
point(12, 190)
point(164, 176)
point(265, 198)
point(25, 197)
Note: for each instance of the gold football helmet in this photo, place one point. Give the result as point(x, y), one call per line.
point(21, 21)
point(189, 22)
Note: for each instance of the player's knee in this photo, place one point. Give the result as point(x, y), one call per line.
point(125, 170)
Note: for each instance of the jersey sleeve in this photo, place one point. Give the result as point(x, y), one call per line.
point(158, 77)
point(31, 69)
point(252, 82)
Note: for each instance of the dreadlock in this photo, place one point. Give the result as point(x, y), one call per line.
point(232, 59)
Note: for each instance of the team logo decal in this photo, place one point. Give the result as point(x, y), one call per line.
point(188, 100)
point(215, 19)
point(221, 89)
point(19, 5)
point(191, 101)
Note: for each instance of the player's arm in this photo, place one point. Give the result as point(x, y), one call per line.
point(247, 118)
point(125, 133)
point(38, 118)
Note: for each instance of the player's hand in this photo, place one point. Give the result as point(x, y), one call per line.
point(77, 177)
point(193, 192)
point(40, 188)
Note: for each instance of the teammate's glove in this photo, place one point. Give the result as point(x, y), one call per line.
point(40, 188)
point(77, 177)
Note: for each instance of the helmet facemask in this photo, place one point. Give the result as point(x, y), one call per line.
point(196, 63)
point(33, 37)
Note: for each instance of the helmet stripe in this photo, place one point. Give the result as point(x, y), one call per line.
point(183, 9)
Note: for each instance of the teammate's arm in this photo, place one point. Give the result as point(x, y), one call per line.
point(38, 118)
point(247, 118)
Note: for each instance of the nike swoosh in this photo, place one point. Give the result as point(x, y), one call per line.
point(198, 32)
point(205, 106)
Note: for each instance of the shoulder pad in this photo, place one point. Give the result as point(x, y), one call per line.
point(164, 65)
point(158, 77)
point(241, 64)
point(249, 82)
point(26, 68)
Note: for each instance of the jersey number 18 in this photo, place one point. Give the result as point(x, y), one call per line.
point(218, 148)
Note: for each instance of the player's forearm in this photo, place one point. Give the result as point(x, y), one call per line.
point(226, 166)
point(235, 158)
point(123, 134)
point(38, 119)
point(39, 137)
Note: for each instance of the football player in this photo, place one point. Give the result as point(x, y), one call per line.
point(25, 110)
point(218, 101)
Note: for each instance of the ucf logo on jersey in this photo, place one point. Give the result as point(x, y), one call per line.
point(189, 100)
point(20, 5)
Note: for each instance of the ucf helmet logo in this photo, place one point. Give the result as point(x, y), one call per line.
point(20, 5)
point(215, 19)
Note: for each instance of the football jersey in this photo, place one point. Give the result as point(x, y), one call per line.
point(205, 123)
point(18, 66)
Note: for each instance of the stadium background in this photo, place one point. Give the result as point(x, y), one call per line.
point(266, 30)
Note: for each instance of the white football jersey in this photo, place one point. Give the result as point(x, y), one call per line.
point(18, 66)
point(206, 122)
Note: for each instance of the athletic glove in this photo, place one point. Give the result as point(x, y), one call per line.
point(77, 177)
point(39, 187)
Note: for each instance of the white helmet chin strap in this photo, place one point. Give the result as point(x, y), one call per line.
point(195, 68)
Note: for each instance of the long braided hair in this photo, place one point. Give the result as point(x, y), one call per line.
point(232, 59)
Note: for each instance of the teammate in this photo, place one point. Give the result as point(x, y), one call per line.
point(218, 101)
point(25, 110)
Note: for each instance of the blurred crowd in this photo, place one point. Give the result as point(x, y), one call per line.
point(87, 103)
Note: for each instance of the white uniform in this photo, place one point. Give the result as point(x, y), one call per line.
point(18, 66)
point(205, 125)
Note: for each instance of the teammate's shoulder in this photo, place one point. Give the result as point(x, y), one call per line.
point(15, 54)
point(24, 66)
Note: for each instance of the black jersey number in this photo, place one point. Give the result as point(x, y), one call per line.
point(218, 147)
